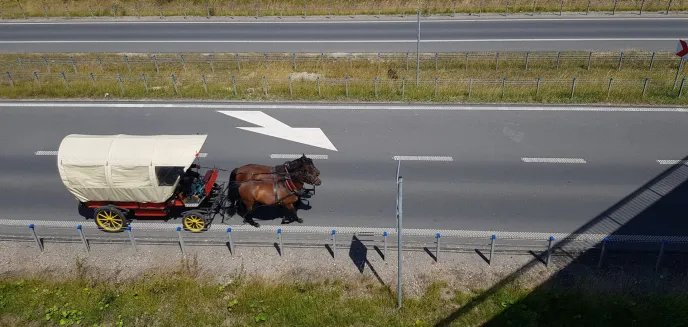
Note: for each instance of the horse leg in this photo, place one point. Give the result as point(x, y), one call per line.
point(248, 218)
point(292, 210)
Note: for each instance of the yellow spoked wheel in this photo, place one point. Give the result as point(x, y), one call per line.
point(109, 219)
point(194, 222)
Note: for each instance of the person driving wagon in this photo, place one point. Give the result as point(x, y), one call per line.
point(187, 182)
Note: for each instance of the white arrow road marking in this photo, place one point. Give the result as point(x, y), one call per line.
point(54, 153)
point(275, 128)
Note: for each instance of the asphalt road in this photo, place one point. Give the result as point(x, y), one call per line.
point(601, 33)
point(486, 186)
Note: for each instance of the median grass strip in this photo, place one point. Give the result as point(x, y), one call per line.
point(630, 77)
point(182, 298)
point(209, 8)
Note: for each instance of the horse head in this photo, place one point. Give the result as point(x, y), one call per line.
point(308, 170)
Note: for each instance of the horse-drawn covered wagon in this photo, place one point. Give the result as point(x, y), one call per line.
point(125, 177)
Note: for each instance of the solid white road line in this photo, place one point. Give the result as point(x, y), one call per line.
point(672, 162)
point(287, 106)
point(336, 41)
point(411, 20)
point(423, 158)
point(295, 156)
point(54, 153)
point(554, 160)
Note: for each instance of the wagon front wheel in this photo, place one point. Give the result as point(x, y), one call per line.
point(110, 219)
point(194, 221)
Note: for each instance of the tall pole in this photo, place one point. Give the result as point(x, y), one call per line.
point(399, 231)
point(418, 50)
point(397, 212)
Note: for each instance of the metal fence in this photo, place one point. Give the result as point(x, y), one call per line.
point(274, 8)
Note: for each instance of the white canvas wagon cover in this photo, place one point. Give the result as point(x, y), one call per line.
point(129, 168)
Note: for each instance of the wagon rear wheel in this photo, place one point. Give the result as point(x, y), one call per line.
point(110, 219)
point(195, 221)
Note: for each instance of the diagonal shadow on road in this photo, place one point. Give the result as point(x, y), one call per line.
point(658, 208)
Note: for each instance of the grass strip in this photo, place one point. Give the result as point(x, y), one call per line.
point(538, 77)
point(179, 299)
point(121, 8)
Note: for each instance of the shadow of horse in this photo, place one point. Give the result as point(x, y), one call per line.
point(267, 212)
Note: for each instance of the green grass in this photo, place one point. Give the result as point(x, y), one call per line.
point(12, 9)
point(181, 298)
point(483, 76)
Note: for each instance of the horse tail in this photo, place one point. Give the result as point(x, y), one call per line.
point(233, 188)
point(232, 175)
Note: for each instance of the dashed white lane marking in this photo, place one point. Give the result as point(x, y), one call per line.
point(672, 162)
point(423, 158)
point(554, 160)
point(295, 156)
point(54, 153)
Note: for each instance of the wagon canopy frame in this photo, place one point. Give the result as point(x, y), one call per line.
point(126, 168)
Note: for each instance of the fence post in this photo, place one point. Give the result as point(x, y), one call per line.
point(470, 86)
point(609, 88)
point(503, 86)
point(294, 61)
point(497, 62)
point(645, 86)
point(279, 237)
point(155, 59)
point(375, 84)
point(212, 66)
point(573, 87)
point(436, 55)
point(602, 252)
point(322, 60)
point(527, 57)
point(403, 87)
point(174, 82)
point(678, 72)
point(466, 61)
point(589, 59)
point(126, 60)
point(400, 220)
point(45, 11)
point(181, 240)
point(35, 74)
point(317, 82)
point(91, 10)
point(537, 87)
point(384, 256)
point(83, 237)
point(558, 58)
point(587, 9)
point(492, 245)
point(47, 64)
point(234, 85)
point(145, 84)
point(680, 91)
point(418, 51)
point(334, 243)
point(291, 91)
point(437, 251)
point(435, 87)
point(668, 7)
point(9, 77)
point(620, 59)
point(641, 7)
point(561, 7)
point(265, 56)
point(100, 62)
point(660, 255)
point(205, 87)
point(265, 85)
point(121, 87)
point(38, 242)
point(131, 237)
point(549, 250)
point(614, 10)
point(73, 63)
point(347, 86)
point(65, 80)
point(407, 59)
point(183, 63)
point(652, 61)
point(231, 242)
point(21, 65)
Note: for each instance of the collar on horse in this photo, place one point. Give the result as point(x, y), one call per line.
point(288, 182)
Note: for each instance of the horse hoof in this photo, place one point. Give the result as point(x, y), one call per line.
point(299, 220)
point(256, 225)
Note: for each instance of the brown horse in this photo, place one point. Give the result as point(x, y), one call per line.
point(280, 185)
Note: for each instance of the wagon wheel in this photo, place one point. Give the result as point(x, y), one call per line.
point(194, 221)
point(110, 219)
